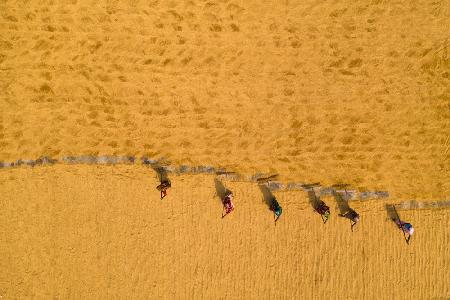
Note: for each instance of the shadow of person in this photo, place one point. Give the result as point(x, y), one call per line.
point(271, 201)
point(161, 172)
point(391, 212)
point(345, 210)
point(268, 197)
point(313, 199)
point(317, 204)
point(342, 203)
point(221, 190)
point(405, 227)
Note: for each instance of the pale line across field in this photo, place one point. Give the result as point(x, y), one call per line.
point(232, 176)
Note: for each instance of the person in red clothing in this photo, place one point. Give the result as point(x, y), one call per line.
point(323, 210)
point(228, 204)
point(165, 184)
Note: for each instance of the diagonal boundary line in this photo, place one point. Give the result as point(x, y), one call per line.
point(414, 204)
point(184, 169)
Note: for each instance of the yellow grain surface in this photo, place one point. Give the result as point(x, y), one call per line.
point(316, 91)
point(355, 92)
point(102, 232)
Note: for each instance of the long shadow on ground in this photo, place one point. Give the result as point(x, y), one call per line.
point(221, 190)
point(342, 203)
point(267, 195)
point(161, 172)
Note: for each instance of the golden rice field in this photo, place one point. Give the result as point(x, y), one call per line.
point(354, 92)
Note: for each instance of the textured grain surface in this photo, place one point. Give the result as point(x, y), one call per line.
point(355, 92)
point(101, 232)
point(316, 91)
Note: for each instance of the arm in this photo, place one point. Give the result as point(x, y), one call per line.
point(353, 224)
point(226, 212)
point(344, 215)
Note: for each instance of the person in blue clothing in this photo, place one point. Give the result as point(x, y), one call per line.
point(276, 208)
point(407, 228)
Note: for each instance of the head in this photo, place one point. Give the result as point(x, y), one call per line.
point(278, 211)
point(409, 228)
point(356, 219)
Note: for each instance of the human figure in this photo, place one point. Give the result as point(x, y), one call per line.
point(318, 205)
point(276, 208)
point(165, 184)
point(271, 201)
point(352, 215)
point(228, 203)
point(407, 228)
point(161, 171)
point(323, 210)
point(345, 210)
